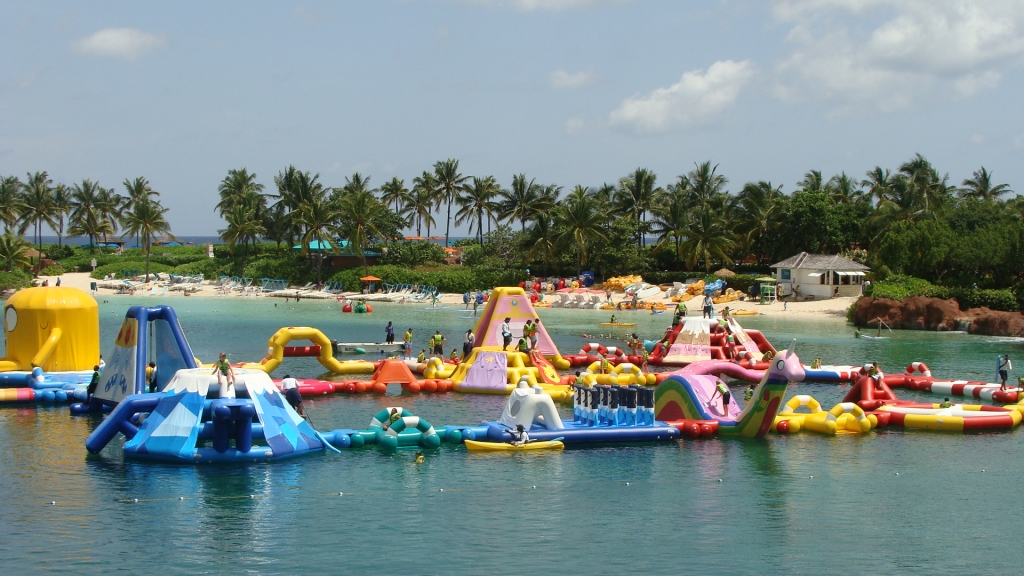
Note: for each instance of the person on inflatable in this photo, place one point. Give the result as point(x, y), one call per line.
point(522, 346)
point(946, 403)
point(526, 330)
point(225, 374)
point(748, 394)
point(519, 436)
point(1004, 366)
point(93, 383)
point(454, 355)
point(467, 343)
point(407, 339)
point(506, 333)
point(606, 366)
point(389, 333)
point(393, 417)
point(438, 341)
point(612, 321)
point(722, 390)
point(422, 357)
point(644, 357)
point(151, 376)
point(291, 394)
point(533, 333)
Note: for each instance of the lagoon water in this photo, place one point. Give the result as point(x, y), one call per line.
point(797, 504)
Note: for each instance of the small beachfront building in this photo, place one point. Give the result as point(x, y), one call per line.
point(819, 275)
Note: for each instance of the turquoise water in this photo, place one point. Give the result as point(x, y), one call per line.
point(652, 508)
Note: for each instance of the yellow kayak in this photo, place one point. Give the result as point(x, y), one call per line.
point(618, 323)
point(474, 446)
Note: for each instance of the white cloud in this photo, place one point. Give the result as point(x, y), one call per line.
point(574, 125)
point(885, 53)
point(698, 98)
point(562, 79)
point(124, 43)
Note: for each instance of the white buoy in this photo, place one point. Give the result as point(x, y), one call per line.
point(251, 496)
point(719, 479)
point(810, 476)
point(53, 502)
point(897, 473)
point(135, 500)
point(534, 487)
point(341, 493)
point(440, 489)
point(180, 498)
point(627, 483)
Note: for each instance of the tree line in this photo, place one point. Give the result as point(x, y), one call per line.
point(82, 209)
point(911, 220)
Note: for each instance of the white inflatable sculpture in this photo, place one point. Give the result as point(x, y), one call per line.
point(529, 406)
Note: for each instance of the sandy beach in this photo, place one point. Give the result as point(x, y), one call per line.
point(811, 308)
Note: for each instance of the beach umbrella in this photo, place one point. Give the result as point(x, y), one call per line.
point(725, 273)
point(765, 279)
point(370, 279)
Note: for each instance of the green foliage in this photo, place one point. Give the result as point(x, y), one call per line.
point(290, 267)
point(413, 253)
point(15, 280)
point(58, 252)
point(120, 267)
point(51, 271)
point(447, 279)
point(899, 287)
point(208, 267)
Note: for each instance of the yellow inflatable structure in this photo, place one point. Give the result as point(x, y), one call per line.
point(729, 296)
point(51, 327)
point(620, 282)
point(622, 374)
point(277, 342)
point(436, 368)
point(517, 365)
point(843, 418)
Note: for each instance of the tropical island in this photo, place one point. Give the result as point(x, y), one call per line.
point(918, 233)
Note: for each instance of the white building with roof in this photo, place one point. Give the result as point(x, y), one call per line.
point(819, 275)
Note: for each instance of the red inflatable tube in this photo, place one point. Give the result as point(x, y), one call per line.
point(308, 388)
point(695, 428)
point(994, 422)
point(295, 351)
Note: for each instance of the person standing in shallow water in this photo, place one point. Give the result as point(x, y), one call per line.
point(389, 333)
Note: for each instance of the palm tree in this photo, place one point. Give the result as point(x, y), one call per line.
point(521, 201)
point(394, 191)
point(844, 190)
point(813, 182)
point(425, 197)
point(705, 184)
point(62, 207)
point(541, 240)
point(244, 225)
point(239, 186)
point(578, 223)
point(38, 208)
point(319, 218)
point(358, 210)
point(109, 205)
point(636, 195)
point(11, 205)
point(85, 218)
point(449, 182)
point(421, 207)
point(14, 251)
point(877, 183)
point(477, 203)
point(980, 186)
point(670, 219)
point(139, 192)
point(760, 203)
point(357, 183)
point(707, 238)
point(146, 220)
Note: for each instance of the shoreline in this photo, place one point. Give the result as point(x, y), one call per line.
point(834, 307)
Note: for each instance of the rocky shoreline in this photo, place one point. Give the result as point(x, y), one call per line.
point(921, 313)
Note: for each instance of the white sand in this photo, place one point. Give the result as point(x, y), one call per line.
point(810, 308)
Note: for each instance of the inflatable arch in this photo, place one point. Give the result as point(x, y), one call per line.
point(277, 342)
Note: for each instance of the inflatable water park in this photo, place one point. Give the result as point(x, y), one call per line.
point(168, 405)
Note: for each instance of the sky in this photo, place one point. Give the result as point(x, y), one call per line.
point(566, 91)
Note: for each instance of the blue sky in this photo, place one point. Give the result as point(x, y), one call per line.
point(567, 91)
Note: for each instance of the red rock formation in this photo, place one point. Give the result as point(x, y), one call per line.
point(920, 313)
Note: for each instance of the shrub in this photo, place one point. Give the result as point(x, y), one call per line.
point(15, 280)
point(51, 271)
point(58, 251)
point(898, 287)
point(208, 267)
point(120, 267)
point(412, 254)
point(291, 267)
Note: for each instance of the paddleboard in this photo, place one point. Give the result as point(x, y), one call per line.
point(474, 446)
point(874, 337)
point(625, 324)
point(648, 292)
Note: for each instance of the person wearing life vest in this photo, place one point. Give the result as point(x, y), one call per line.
point(533, 333)
point(722, 390)
point(407, 339)
point(644, 356)
point(422, 357)
point(438, 342)
point(522, 346)
point(454, 355)
point(946, 403)
point(749, 394)
point(606, 366)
